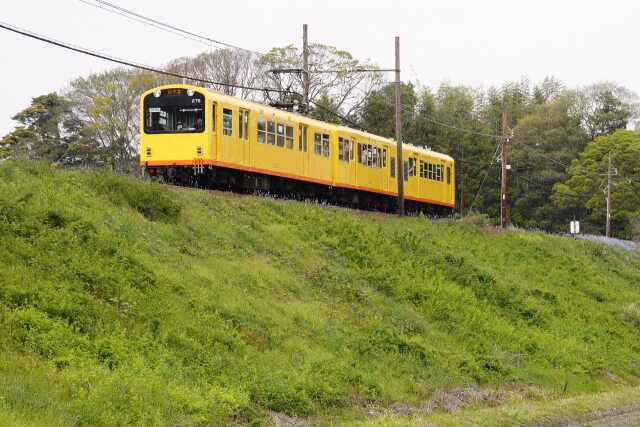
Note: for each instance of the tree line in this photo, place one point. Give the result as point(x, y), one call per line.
point(559, 146)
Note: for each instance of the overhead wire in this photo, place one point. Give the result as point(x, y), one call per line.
point(125, 62)
point(119, 10)
point(483, 180)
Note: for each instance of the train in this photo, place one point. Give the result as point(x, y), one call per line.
point(196, 136)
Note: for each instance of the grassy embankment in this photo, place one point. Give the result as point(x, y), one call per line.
point(126, 302)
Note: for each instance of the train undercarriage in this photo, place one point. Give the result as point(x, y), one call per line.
point(227, 179)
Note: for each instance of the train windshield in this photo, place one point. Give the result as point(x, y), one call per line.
point(174, 111)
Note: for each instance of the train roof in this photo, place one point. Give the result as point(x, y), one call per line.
point(304, 119)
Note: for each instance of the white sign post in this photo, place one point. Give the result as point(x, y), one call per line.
point(574, 227)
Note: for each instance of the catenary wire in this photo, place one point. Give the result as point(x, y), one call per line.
point(124, 62)
point(139, 16)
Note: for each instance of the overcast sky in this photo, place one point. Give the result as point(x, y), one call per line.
point(483, 42)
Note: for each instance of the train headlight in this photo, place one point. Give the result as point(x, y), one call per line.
point(157, 93)
point(190, 92)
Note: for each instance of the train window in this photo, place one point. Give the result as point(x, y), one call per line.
point(262, 125)
point(421, 169)
point(439, 173)
point(289, 137)
point(325, 145)
point(246, 125)
point(351, 149)
point(271, 132)
point(392, 167)
point(360, 153)
point(240, 127)
point(344, 149)
point(227, 121)
point(302, 138)
point(412, 166)
point(280, 135)
point(369, 156)
point(448, 175)
point(213, 117)
point(384, 158)
point(317, 144)
point(405, 171)
point(379, 157)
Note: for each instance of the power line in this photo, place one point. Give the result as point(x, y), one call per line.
point(161, 25)
point(586, 196)
point(484, 179)
point(125, 62)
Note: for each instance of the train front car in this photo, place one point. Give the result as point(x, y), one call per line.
point(175, 132)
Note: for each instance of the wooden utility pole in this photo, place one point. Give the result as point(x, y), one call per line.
point(305, 68)
point(400, 173)
point(503, 192)
point(608, 232)
point(461, 188)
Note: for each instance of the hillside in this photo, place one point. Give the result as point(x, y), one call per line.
point(125, 302)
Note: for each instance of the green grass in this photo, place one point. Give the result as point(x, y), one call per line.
point(124, 302)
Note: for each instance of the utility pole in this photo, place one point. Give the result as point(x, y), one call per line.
point(503, 192)
point(305, 68)
point(609, 198)
point(400, 173)
point(461, 179)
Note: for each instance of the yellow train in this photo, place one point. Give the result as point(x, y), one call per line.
point(199, 136)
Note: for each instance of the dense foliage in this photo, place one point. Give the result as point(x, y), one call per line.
point(124, 302)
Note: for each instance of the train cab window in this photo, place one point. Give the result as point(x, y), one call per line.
point(271, 132)
point(392, 167)
point(448, 175)
point(302, 138)
point(325, 145)
point(227, 121)
point(262, 130)
point(173, 111)
point(289, 137)
point(317, 144)
point(280, 134)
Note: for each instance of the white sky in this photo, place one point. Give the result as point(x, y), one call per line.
point(483, 42)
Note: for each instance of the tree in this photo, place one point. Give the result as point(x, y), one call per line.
point(227, 66)
point(45, 131)
point(107, 104)
point(16, 143)
point(551, 136)
point(605, 107)
point(329, 74)
point(588, 179)
point(378, 111)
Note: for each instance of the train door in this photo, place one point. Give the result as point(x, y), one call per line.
point(303, 137)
